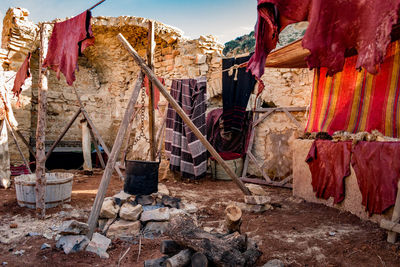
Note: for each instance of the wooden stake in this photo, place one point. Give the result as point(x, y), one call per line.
point(105, 180)
point(40, 188)
point(152, 77)
point(86, 147)
point(16, 143)
point(96, 132)
point(62, 134)
point(150, 53)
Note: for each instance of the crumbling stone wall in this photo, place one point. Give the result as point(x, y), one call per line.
point(107, 75)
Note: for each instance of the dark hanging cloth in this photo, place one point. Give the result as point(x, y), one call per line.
point(187, 154)
point(363, 25)
point(377, 166)
point(329, 164)
point(155, 89)
point(68, 40)
point(237, 86)
point(227, 144)
point(23, 73)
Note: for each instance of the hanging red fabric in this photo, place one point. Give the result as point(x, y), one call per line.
point(23, 73)
point(68, 40)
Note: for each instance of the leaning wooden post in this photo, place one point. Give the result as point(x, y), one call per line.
point(150, 57)
point(40, 188)
point(105, 180)
point(392, 236)
point(152, 77)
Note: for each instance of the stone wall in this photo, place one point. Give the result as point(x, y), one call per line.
point(107, 75)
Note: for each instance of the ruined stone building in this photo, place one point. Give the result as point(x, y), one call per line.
point(107, 75)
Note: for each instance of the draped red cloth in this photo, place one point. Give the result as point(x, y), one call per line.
point(357, 101)
point(334, 27)
point(68, 40)
point(23, 73)
point(329, 164)
point(377, 166)
point(155, 90)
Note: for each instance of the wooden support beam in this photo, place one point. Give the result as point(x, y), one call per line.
point(281, 109)
point(86, 148)
point(260, 167)
point(60, 137)
point(96, 144)
point(16, 143)
point(105, 180)
point(150, 59)
point(153, 78)
point(96, 132)
point(263, 117)
point(18, 132)
point(298, 124)
point(40, 188)
point(392, 227)
point(392, 235)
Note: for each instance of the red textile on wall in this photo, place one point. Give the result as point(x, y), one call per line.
point(68, 40)
point(329, 164)
point(155, 90)
point(377, 166)
point(23, 73)
point(335, 26)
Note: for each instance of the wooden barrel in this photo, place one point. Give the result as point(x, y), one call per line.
point(58, 189)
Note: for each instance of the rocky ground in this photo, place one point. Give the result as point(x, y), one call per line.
point(292, 231)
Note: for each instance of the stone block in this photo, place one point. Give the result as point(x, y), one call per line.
point(168, 57)
point(159, 215)
point(99, 245)
point(73, 227)
point(109, 209)
point(200, 59)
point(188, 207)
point(256, 190)
point(167, 50)
point(204, 68)
point(145, 200)
point(123, 228)
point(162, 189)
point(257, 200)
point(172, 202)
point(124, 197)
point(72, 243)
point(274, 263)
point(253, 208)
point(130, 212)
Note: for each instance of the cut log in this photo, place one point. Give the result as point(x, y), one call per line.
point(237, 241)
point(155, 262)
point(170, 247)
point(220, 252)
point(179, 260)
point(233, 218)
point(199, 260)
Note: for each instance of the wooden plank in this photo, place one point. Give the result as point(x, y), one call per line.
point(96, 132)
point(153, 78)
point(298, 124)
point(263, 182)
point(62, 134)
point(392, 235)
point(260, 167)
point(105, 180)
point(150, 59)
point(16, 143)
point(40, 188)
point(281, 109)
point(263, 117)
point(86, 147)
point(291, 56)
point(251, 141)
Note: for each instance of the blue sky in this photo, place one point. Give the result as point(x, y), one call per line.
point(225, 19)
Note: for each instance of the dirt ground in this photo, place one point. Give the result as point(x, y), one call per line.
point(297, 233)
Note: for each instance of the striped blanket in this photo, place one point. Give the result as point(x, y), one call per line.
point(356, 101)
point(187, 154)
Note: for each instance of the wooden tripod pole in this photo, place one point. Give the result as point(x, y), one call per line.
point(105, 180)
point(152, 77)
point(40, 188)
point(150, 53)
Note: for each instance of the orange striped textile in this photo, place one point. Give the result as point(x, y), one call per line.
point(356, 101)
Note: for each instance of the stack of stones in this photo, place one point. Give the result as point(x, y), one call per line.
point(257, 202)
point(126, 216)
